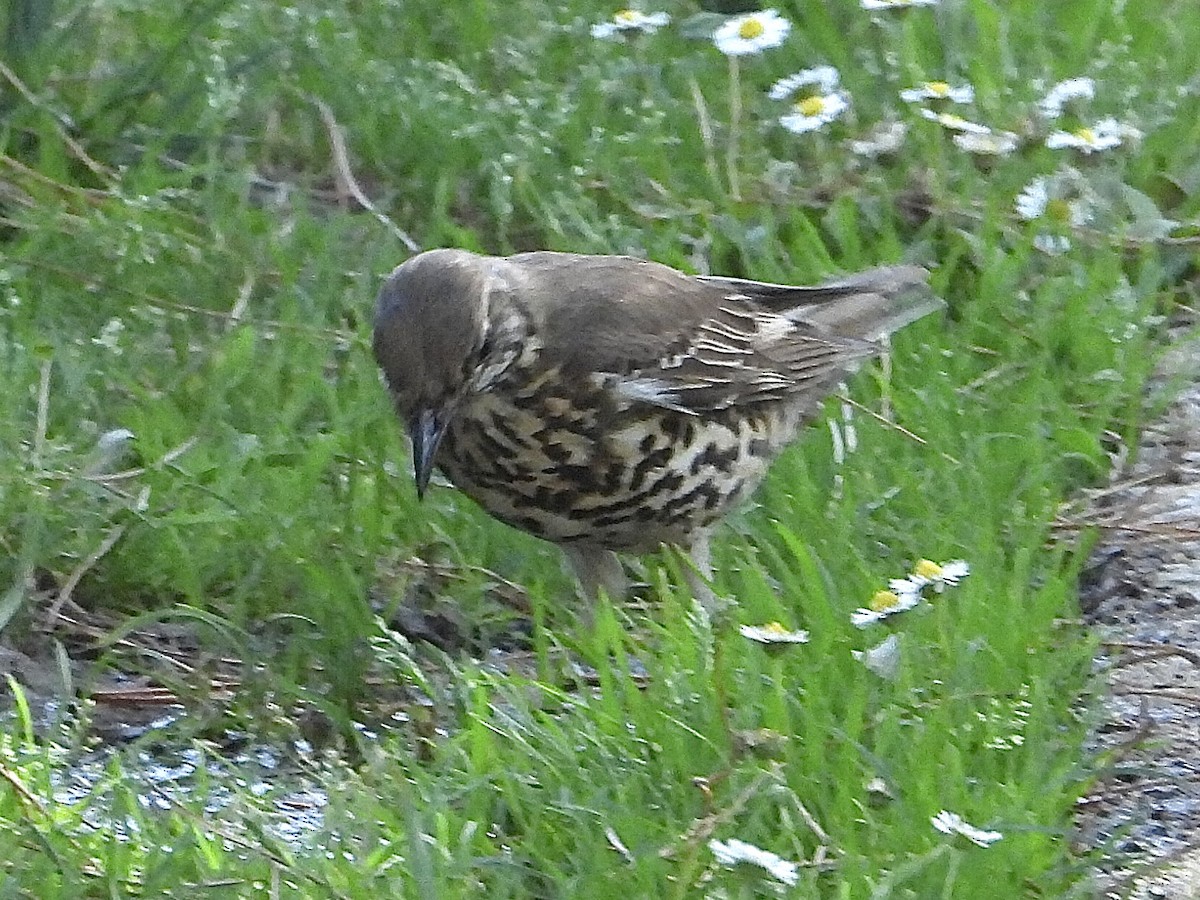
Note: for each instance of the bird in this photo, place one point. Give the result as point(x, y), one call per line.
point(611, 404)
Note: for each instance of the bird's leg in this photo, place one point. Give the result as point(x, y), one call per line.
point(699, 574)
point(597, 570)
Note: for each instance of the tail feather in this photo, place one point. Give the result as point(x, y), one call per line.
point(874, 303)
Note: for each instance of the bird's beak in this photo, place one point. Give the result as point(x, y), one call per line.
point(425, 430)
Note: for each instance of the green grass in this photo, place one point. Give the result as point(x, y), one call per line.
point(175, 262)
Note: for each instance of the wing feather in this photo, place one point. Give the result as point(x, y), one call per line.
point(703, 344)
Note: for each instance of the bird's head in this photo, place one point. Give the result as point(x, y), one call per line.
point(437, 341)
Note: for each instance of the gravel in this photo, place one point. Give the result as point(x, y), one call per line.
point(1141, 593)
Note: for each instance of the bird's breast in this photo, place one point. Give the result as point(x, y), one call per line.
point(574, 460)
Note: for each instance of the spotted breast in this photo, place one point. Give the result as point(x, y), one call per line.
point(577, 461)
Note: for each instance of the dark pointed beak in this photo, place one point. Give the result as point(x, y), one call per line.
point(425, 430)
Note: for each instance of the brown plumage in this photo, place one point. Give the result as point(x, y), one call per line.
point(607, 403)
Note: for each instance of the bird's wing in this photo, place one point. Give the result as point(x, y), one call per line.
point(691, 344)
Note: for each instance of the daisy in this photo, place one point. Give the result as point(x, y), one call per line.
point(752, 32)
point(813, 112)
point(628, 21)
point(885, 137)
point(938, 90)
point(896, 4)
point(987, 143)
point(1104, 135)
point(824, 80)
point(903, 596)
point(952, 823)
point(734, 852)
point(940, 575)
point(773, 634)
point(952, 122)
point(1064, 92)
point(1061, 201)
point(1050, 197)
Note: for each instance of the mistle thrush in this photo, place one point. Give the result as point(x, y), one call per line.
point(607, 403)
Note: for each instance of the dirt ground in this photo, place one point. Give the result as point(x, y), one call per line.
point(1141, 592)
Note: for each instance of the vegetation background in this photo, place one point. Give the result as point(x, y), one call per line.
point(202, 481)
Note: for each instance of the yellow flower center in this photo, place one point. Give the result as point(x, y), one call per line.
point(775, 628)
point(811, 106)
point(938, 88)
point(927, 569)
point(884, 600)
point(1058, 210)
point(752, 28)
point(1086, 134)
point(624, 16)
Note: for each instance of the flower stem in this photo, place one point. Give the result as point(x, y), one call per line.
point(735, 124)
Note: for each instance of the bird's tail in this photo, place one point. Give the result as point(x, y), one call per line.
point(873, 304)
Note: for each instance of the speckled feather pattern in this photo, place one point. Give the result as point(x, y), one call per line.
point(613, 402)
point(579, 461)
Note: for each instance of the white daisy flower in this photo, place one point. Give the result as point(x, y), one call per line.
point(751, 32)
point(629, 21)
point(896, 4)
point(774, 634)
point(734, 852)
point(938, 90)
point(884, 138)
point(1033, 203)
point(940, 575)
point(1064, 92)
point(882, 659)
point(814, 112)
point(952, 823)
point(1058, 198)
point(824, 80)
point(952, 122)
point(987, 143)
point(1104, 135)
point(1062, 201)
point(903, 596)
point(905, 593)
